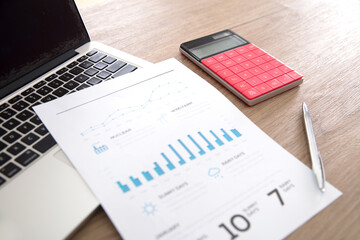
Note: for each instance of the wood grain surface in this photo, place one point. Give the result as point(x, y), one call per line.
point(320, 39)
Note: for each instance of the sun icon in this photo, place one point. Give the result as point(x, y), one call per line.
point(149, 209)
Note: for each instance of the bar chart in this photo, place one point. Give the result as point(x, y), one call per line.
point(175, 156)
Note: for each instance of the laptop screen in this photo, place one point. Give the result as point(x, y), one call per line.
point(33, 33)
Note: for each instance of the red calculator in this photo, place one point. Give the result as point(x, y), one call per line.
point(245, 69)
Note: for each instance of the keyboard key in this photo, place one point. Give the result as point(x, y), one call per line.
point(91, 72)
point(27, 91)
point(97, 57)
point(25, 128)
point(4, 106)
point(61, 71)
point(11, 124)
point(2, 145)
point(109, 60)
point(32, 98)
point(45, 90)
point(31, 108)
point(2, 181)
point(60, 92)
point(51, 77)
point(20, 105)
point(71, 65)
point(36, 120)
point(30, 138)
point(7, 113)
point(116, 66)
point(11, 137)
point(76, 70)
point(92, 52)
point(66, 77)
point(127, 69)
point(15, 99)
point(45, 144)
point(40, 84)
point(2, 131)
point(71, 85)
point(56, 83)
point(48, 98)
point(10, 170)
point(100, 66)
point(27, 157)
point(81, 59)
point(4, 158)
point(24, 115)
point(16, 148)
point(103, 75)
point(94, 81)
point(41, 130)
point(81, 78)
point(86, 64)
point(82, 86)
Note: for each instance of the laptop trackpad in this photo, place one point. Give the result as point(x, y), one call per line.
point(62, 157)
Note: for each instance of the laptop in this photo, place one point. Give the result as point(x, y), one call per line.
point(46, 53)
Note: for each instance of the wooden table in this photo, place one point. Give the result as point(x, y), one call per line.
point(320, 39)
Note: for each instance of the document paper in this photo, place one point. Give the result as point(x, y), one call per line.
point(169, 157)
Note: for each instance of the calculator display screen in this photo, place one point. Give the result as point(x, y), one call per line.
point(217, 46)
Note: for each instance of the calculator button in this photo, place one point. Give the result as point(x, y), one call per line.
point(239, 59)
point(251, 93)
point(256, 71)
point(265, 76)
point(276, 63)
point(228, 63)
point(217, 67)
point(220, 57)
point(231, 53)
point(242, 50)
point(249, 55)
point(274, 83)
point(267, 57)
point(294, 75)
point(233, 79)
point(266, 66)
point(247, 64)
point(285, 69)
point(242, 86)
point(285, 79)
point(254, 81)
point(209, 61)
point(245, 75)
point(237, 68)
point(258, 60)
point(225, 73)
point(250, 46)
point(263, 88)
point(275, 72)
point(258, 52)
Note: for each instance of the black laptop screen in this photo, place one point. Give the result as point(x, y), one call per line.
point(35, 32)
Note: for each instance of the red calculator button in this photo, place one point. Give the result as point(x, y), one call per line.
point(216, 67)
point(263, 88)
point(245, 75)
point(267, 57)
point(276, 63)
point(275, 72)
point(220, 57)
point(231, 53)
point(228, 63)
point(249, 55)
point(208, 61)
point(285, 69)
point(251, 46)
point(256, 71)
point(274, 83)
point(254, 81)
point(225, 73)
point(251, 93)
point(258, 52)
point(242, 86)
point(258, 60)
point(237, 68)
point(266, 66)
point(265, 77)
point(239, 59)
point(233, 79)
point(294, 75)
point(285, 79)
point(241, 50)
point(247, 64)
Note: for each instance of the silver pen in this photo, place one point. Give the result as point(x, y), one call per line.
point(317, 163)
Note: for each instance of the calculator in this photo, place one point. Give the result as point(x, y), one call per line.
point(246, 70)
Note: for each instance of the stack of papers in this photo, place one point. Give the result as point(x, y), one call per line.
point(169, 157)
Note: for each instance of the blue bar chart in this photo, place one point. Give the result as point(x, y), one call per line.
point(185, 149)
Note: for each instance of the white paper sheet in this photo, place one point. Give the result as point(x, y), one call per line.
point(169, 157)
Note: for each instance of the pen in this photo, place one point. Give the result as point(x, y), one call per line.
point(317, 164)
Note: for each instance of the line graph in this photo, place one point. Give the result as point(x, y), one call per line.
point(157, 94)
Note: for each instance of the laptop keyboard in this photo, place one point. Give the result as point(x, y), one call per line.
point(23, 137)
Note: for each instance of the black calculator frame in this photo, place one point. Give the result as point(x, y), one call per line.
point(185, 49)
